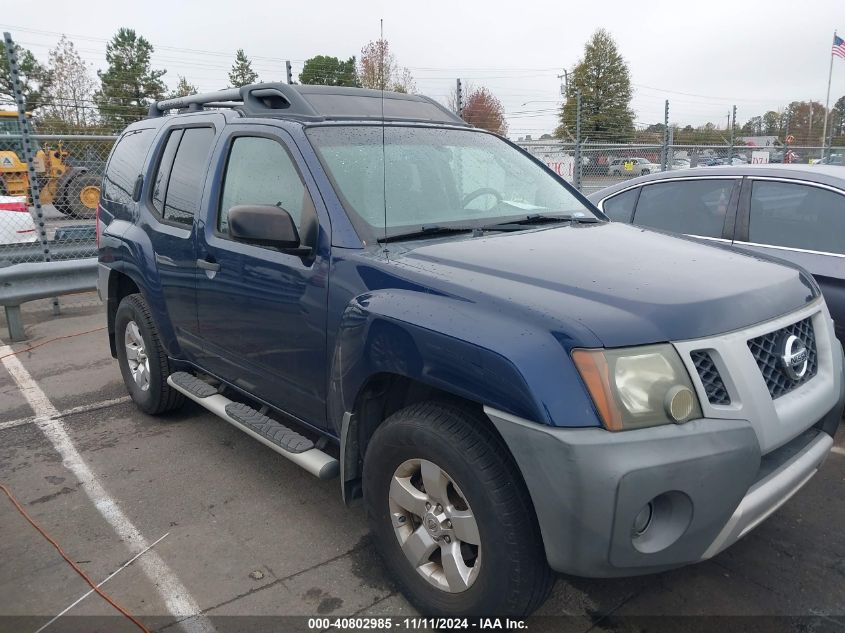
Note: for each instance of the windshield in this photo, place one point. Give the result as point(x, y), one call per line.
point(426, 177)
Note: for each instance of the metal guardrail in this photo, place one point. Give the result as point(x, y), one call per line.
point(40, 280)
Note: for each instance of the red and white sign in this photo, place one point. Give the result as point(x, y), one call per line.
point(759, 158)
point(562, 164)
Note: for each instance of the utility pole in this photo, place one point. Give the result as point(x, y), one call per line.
point(664, 159)
point(733, 139)
point(565, 85)
point(810, 128)
point(576, 168)
point(459, 98)
point(288, 72)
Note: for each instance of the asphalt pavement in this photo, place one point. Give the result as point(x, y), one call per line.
point(229, 532)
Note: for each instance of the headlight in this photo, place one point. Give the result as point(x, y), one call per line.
point(638, 387)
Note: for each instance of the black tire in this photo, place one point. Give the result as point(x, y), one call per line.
point(514, 577)
point(76, 201)
point(645, 172)
point(159, 397)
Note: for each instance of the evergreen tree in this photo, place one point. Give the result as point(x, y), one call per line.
point(604, 80)
point(129, 83)
point(34, 77)
point(183, 89)
point(329, 71)
point(242, 72)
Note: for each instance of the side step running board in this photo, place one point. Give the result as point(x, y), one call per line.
point(285, 441)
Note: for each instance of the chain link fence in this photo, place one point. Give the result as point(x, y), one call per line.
point(68, 170)
point(604, 164)
point(595, 153)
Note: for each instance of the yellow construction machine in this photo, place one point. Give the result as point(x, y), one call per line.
point(73, 190)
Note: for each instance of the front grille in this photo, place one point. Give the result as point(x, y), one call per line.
point(714, 386)
point(767, 351)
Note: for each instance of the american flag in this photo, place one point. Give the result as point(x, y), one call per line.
point(838, 46)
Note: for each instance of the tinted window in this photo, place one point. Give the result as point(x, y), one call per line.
point(798, 216)
point(163, 173)
point(695, 207)
point(184, 191)
point(260, 171)
point(125, 165)
point(620, 207)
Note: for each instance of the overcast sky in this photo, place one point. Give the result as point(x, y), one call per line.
point(703, 56)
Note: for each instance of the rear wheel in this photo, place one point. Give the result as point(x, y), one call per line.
point(82, 195)
point(142, 360)
point(450, 514)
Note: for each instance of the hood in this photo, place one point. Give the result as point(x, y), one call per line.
point(627, 285)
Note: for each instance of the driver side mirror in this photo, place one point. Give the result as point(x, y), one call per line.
point(265, 225)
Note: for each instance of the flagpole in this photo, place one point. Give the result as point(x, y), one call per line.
point(827, 100)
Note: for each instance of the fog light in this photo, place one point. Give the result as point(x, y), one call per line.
point(680, 402)
point(643, 519)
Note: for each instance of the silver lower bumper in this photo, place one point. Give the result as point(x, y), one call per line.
point(771, 492)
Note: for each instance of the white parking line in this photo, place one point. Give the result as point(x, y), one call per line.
point(10, 424)
point(838, 450)
point(176, 597)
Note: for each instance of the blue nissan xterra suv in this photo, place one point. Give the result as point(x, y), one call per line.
point(514, 385)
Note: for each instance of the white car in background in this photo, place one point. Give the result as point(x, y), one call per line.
point(16, 224)
point(632, 167)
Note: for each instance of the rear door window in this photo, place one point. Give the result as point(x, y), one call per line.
point(693, 207)
point(126, 165)
point(797, 216)
point(620, 207)
point(185, 185)
point(163, 173)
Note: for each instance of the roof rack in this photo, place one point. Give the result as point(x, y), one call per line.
point(314, 103)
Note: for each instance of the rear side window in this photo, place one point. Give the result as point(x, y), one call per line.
point(260, 171)
point(126, 164)
point(797, 216)
point(163, 174)
point(694, 207)
point(185, 184)
point(620, 207)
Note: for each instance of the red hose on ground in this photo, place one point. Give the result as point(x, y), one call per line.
point(76, 568)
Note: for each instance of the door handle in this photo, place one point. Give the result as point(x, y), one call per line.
point(207, 265)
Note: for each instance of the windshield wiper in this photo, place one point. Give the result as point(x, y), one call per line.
point(520, 223)
point(425, 231)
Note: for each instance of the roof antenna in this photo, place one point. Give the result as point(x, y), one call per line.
point(383, 151)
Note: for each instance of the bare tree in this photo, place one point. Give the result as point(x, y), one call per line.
point(378, 69)
point(482, 109)
point(69, 99)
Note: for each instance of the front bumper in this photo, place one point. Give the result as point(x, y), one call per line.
point(707, 479)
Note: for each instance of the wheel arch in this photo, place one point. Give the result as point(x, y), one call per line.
point(382, 395)
point(120, 285)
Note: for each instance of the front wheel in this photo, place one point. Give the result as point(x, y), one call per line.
point(645, 172)
point(450, 514)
